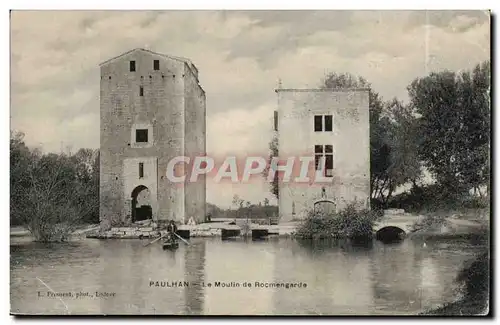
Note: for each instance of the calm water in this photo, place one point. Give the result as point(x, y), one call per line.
point(403, 278)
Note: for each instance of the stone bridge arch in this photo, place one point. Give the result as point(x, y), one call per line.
point(390, 234)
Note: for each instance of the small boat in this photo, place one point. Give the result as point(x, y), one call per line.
point(168, 244)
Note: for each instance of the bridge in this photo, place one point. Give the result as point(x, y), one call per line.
point(399, 219)
point(395, 225)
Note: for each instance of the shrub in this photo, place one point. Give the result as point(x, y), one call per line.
point(347, 223)
point(475, 279)
point(430, 223)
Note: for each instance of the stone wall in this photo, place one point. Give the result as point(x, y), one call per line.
point(350, 139)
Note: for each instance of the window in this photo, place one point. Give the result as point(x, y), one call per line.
point(132, 66)
point(141, 170)
point(156, 65)
point(323, 123)
point(318, 123)
point(141, 91)
point(141, 135)
point(326, 152)
point(328, 123)
point(275, 121)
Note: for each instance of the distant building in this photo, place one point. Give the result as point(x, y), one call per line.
point(152, 109)
point(333, 124)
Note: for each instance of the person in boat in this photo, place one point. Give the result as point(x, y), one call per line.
point(172, 230)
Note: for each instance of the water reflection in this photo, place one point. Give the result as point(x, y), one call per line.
point(194, 274)
point(342, 277)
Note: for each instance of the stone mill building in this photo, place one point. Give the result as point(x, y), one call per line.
point(331, 125)
point(152, 109)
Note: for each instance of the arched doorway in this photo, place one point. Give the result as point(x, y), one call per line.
point(325, 207)
point(141, 204)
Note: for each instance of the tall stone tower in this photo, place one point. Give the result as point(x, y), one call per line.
point(152, 110)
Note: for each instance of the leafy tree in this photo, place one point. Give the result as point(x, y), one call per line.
point(454, 127)
point(401, 164)
point(20, 157)
point(52, 194)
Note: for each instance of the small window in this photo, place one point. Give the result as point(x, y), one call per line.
point(132, 66)
point(141, 91)
point(275, 121)
point(318, 154)
point(141, 135)
point(156, 65)
point(328, 123)
point(329, 165)
point(317, 159)
point(328, 148)
point(141, 170)
point(318, 123)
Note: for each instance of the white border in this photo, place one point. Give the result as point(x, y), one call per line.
point(186, 4)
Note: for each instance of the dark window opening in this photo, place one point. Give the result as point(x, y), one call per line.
point(317, 159)
point(156, 64)
point(141, 135)
point(329, 166)
point(141, 91)
point(132, 66)
point(318, 123)
point(141, 170)
point(275, 121)
point(328, 123)
point(324, 153)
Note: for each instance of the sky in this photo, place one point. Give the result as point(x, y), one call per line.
point(240, 55)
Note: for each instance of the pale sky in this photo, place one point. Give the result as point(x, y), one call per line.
point(240, 56)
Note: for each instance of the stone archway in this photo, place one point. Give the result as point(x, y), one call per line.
point(141, 204)
point(390, 234)
point(325, 206)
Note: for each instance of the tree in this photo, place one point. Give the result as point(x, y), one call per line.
point(400, 162)
point(20, 157)
point(273, 152)
point(52, 194)
point(53, 207)
point(454, 127)
point(238, 202)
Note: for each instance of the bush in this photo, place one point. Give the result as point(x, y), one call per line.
point(475, 279)
point(430, 223)
point(347, 223)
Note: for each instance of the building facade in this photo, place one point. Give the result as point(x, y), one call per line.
point(331, 127)
point(152, 109)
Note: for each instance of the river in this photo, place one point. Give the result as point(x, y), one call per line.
point(124, 277)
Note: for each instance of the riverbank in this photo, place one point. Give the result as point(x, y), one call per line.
point(463, 307)
point(432, 226)
point(212, 229)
